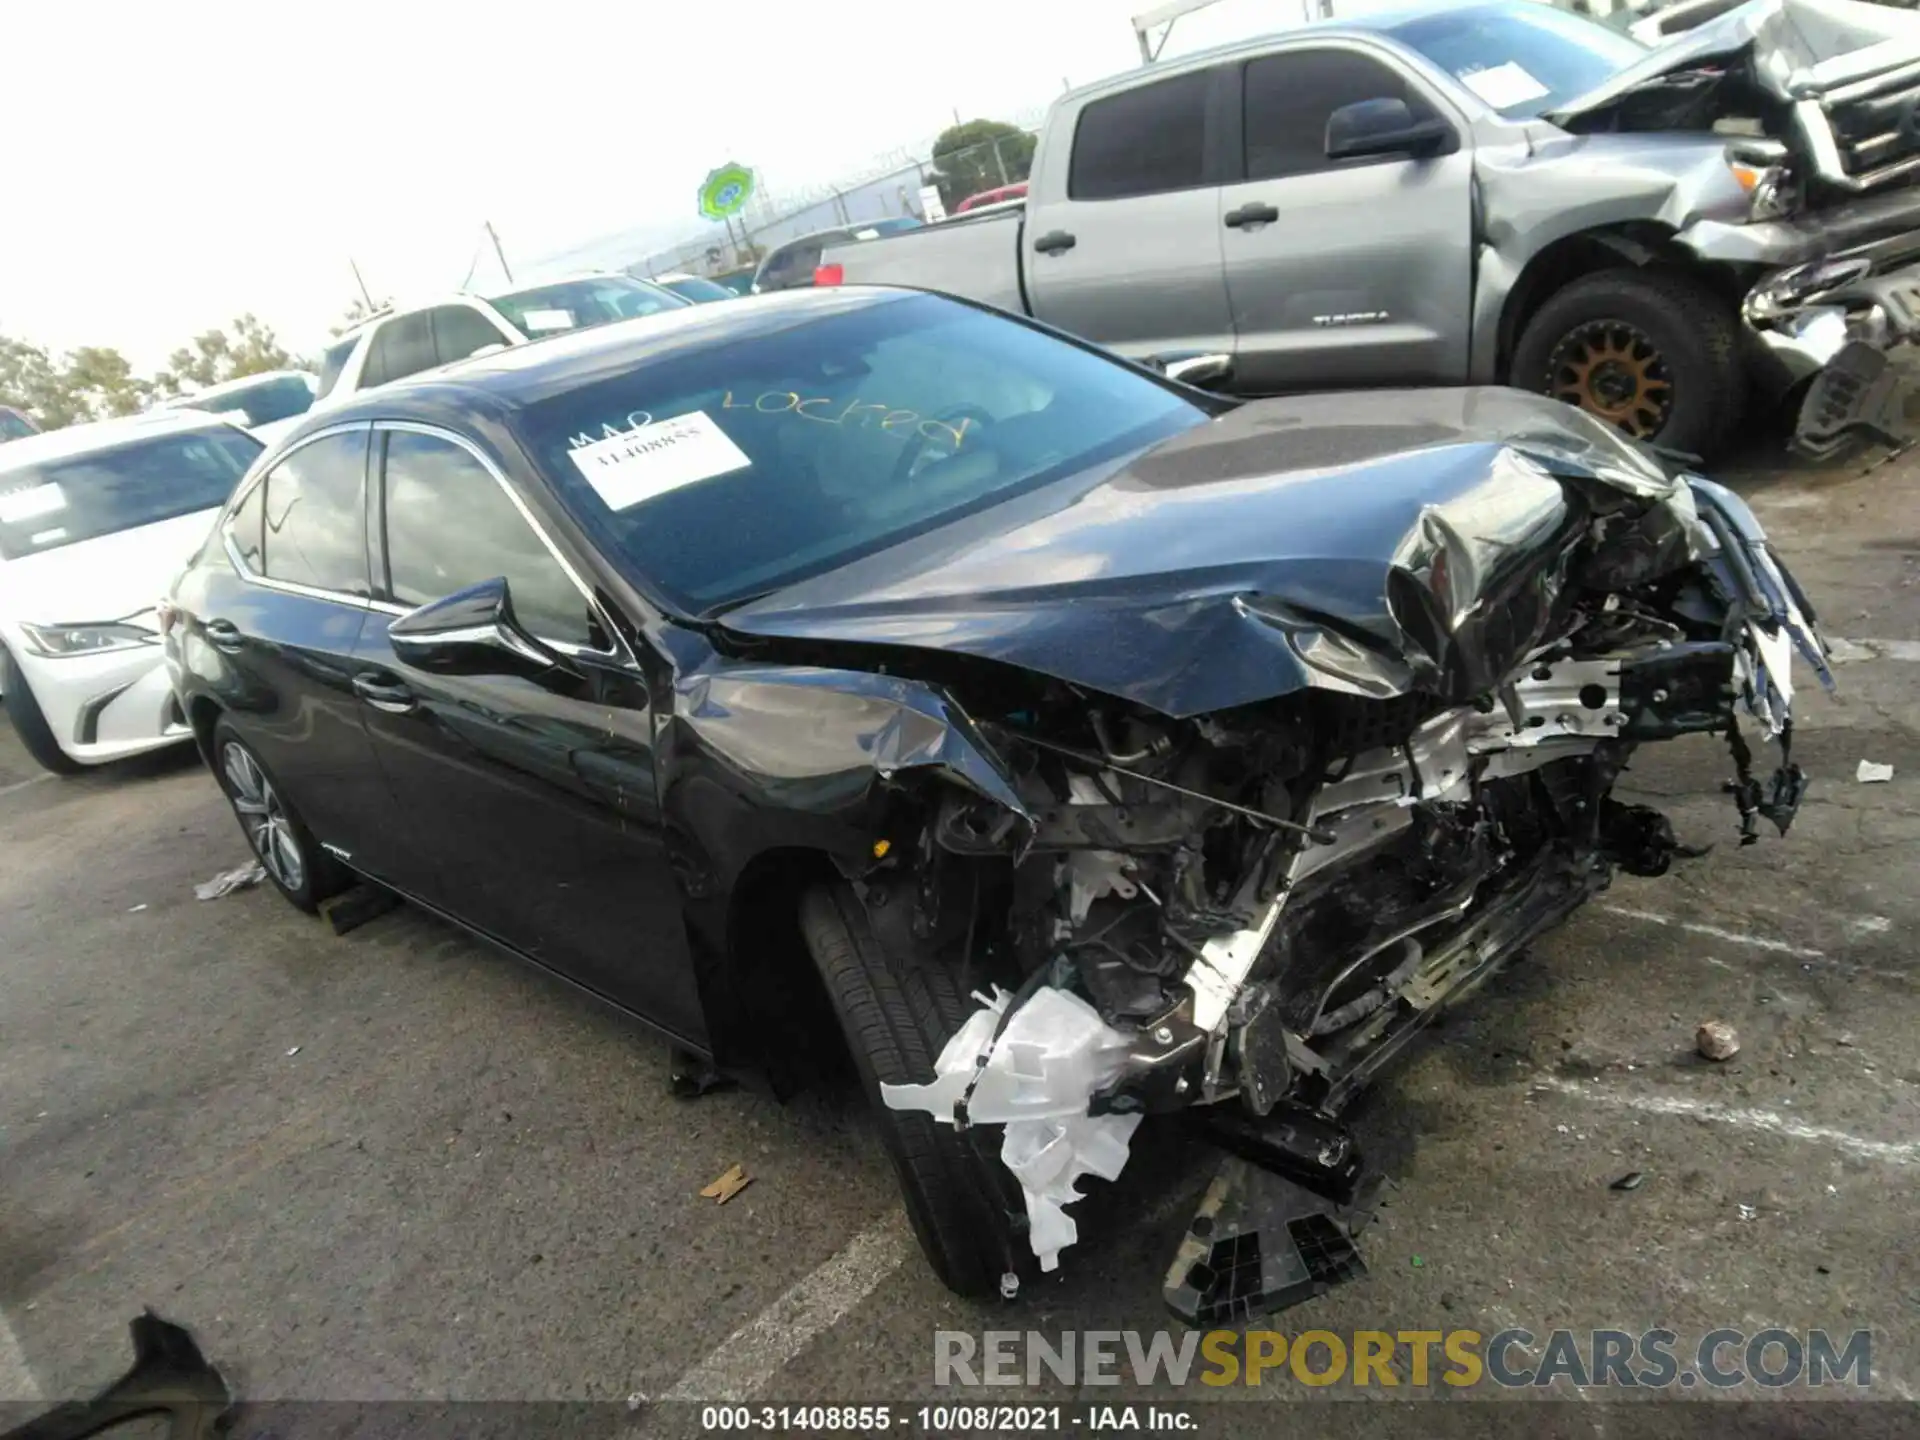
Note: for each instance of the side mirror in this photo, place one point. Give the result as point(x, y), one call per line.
point(1205, 370)
point(1382, 127)
point(470, 632)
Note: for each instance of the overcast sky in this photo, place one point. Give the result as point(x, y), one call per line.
point(167, 167)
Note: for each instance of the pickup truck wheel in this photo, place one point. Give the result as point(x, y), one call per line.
point(1654, 353)
point(896, 1012)
point(30, 722)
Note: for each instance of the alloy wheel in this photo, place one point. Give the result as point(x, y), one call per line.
point(1614, 371)
point(264, 818)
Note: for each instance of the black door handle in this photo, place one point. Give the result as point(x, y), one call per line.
point(224, 635)
point(1252, 213)
point(1053, 242)
point(388, 695)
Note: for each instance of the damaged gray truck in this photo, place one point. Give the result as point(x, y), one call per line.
point(1673, 239)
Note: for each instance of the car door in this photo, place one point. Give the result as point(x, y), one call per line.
point(285, 627)
point(537, 796)
point(1344, 272)
point(1132, 256)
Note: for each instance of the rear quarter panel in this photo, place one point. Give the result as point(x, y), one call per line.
point(977, 258)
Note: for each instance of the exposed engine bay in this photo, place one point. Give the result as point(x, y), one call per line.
point(1256, 908)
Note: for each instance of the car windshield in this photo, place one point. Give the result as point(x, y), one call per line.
point(582, 304)
point(82, 497)
point(696, 289)
point(281, 398)
point(1523, 60)
point(724, 473)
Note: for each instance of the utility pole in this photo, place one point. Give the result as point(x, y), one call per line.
point(499, 254)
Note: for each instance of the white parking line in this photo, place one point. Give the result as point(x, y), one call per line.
point(761, 1348)
point(1714, 932)
point(17, 1384)
point(1845, 651)
point(6, 790)
point(1741, 1117)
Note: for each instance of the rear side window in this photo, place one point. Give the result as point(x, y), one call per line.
point(332, 362)
point(314, 531)
point(1142, 141)
point(245, 527)
point(401, 347)
point(451, 525)
point(1290, 97)
point(459, 330)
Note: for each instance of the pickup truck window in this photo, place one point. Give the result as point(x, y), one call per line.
point(1288, 98)
point(401, 347)
point(1521, 60)
point(1142, 141)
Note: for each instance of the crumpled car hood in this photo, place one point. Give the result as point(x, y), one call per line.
point(1368, 543)
point(1798, 47)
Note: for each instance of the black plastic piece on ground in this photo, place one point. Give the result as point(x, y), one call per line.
point(1298, 1145)
point(363, 903)
point(1257, 1244)
point(169, 1377)
point(691, 1077)
point(1857, 395)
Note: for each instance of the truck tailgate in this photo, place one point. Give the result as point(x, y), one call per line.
point(977, 259)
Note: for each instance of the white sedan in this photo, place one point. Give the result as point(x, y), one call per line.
point(95, 523)
point(268, 404)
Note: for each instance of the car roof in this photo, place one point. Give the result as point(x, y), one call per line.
point(483, 297)
point(524, 374)
point(229, 387)
point(74, 440)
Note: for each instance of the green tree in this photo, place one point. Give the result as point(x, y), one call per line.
point(30, 381)
point(248, 347)
point(979, 155)
point(102, 384)
point(357, 314)
point(92, 383)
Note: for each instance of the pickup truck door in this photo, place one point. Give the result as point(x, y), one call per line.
point(1345, 272)
point(1123, 243)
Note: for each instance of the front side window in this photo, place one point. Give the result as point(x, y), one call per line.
point(459, 330)
point(451, 525)
point(582, 304)
point(333, 360)
point(725, 472)
point(142, 482)
point(1289, 98)
point(1523, 60)
point(1142, 141)
point(401, 347)
point(314, 521)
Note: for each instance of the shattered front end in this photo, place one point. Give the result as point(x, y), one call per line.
point(1245, 912)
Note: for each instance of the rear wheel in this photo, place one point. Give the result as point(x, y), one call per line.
point(285, 848)
point(1653, 353)
point(897, 1012)
point(30, 722)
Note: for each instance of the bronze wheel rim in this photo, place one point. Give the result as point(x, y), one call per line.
point(1614, 371)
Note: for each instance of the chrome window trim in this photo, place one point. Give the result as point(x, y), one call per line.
point(245, 491)
point(620, 654)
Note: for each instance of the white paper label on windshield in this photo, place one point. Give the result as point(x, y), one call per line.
point(1505, 85)
point(548, 320)
point(640, 464)
point(19, 505)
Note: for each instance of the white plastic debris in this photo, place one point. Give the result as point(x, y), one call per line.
point(241, 877)
point(1870, 773)
point(1053, 1056)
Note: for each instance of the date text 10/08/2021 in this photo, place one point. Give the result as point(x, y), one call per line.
point(968, 1419)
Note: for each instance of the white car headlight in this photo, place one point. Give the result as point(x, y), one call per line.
point(57, 641)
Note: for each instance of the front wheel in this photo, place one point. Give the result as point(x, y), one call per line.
point(1654, 353)
point(286, 849)
point(30, 721)
point(897, 1011)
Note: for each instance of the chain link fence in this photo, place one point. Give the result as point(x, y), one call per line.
point(891, 195)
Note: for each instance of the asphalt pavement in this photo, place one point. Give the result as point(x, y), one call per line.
point(397, 1166)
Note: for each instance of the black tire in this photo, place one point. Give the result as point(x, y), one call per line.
point(896, 1013)
point(319, 876)
point(1694, 336)
point(30, 722)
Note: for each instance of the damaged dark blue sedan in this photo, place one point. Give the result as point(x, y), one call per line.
point(864, 670)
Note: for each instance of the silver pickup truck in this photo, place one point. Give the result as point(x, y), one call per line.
point(1671, 238)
